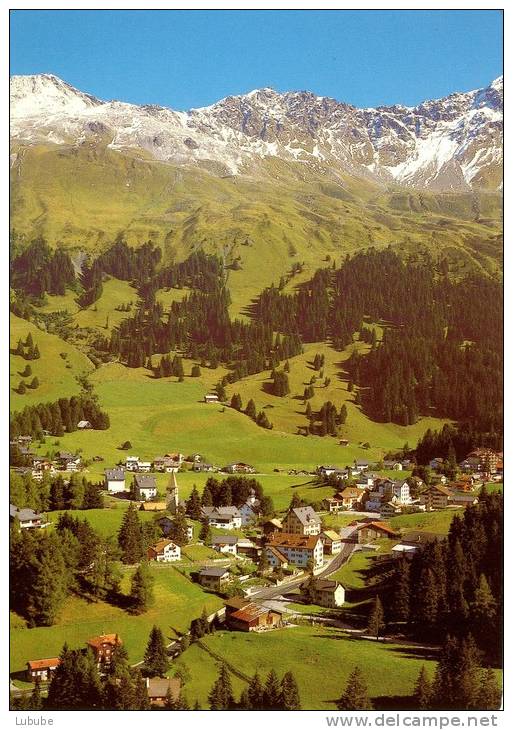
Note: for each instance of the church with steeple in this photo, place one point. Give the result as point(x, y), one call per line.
point(172, 498)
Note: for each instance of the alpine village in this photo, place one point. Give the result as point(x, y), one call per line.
point(256, 423)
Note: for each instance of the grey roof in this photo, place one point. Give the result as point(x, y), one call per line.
point(159, 687)
point(165, 519)
point(229, 511)
point(66, 455)
point(330, 586)
point(143, 481)
point(115, 474)
point(22, 514)
point(306, 515)
point(214, 572)
point(225, 540)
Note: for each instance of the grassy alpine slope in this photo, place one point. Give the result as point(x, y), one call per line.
point(82, 197)
point(56, 369)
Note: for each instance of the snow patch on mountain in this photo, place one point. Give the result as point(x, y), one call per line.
point(442, 144)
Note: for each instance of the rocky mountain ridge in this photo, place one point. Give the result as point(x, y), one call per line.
point(450, 144)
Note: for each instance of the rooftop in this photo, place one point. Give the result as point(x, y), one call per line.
point(143, 481)
point(159, 687)
point(161, 545)
point(306, 515)
point(286, 539)
point(331, 534)
point(112, 639)
point(214, 572)
point(115, 474)
point(44, 663)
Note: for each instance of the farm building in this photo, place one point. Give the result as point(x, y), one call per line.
point(296, 549)
point(145, 487)
point(374, 530)
point(28, 519)
point(225, 544)
point(41, 669)
point(227, 517)
point(153, 507)
point(244, 615)
point(331, 541)
point(271, 526)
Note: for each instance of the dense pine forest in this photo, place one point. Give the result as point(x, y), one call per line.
point(441, 351)
point(453, 587)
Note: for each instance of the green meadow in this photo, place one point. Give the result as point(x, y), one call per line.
point(56, 369)
point(288, 413)
point(177, 602)
point(325, 653)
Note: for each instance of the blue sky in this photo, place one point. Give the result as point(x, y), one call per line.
point(185, 59)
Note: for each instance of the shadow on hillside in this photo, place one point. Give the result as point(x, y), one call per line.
point(357, 616)
point(394, 702)
point(417, 652)
point(18, 676)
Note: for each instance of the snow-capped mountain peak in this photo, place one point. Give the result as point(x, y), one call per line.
point(447, 144)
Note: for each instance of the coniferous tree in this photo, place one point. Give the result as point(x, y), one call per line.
point(207, 499)
point(36, 702)
point(155, 657)
point(263, 563)
point(221, 694)
point(48, 582)
point(130, 537)
point(355, 696)
point(458, 676)
point(244, 701)
point(272, 692)
point(141, 593)
point(193, 504)
point(422, 690)
point(343, 414)
point(179, 528)
point(205, 533)
point(400, 608)
point(290, 692)
point(141, 700)
point(251, 409)
point(256, 693)
point(75, 684)
point(236, 402)
point(489, 695)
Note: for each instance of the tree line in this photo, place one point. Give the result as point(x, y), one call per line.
point(442, 346)
point(460, 440)
point(55, 492)
point(57, 417)
point(233, 490)
point(38, 270)
point(453, 587)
